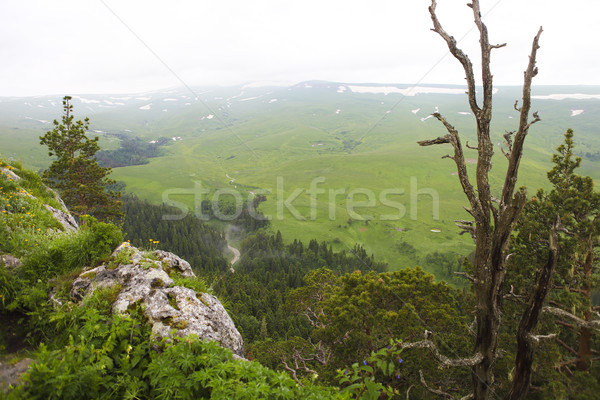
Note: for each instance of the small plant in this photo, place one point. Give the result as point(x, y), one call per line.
point(196, 284)
point(375, 375)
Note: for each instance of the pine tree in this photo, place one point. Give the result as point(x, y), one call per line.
point(574, 198)
point(80, 180)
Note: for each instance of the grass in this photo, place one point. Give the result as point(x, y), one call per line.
point(279, 148)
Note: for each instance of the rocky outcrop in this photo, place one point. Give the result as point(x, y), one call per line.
point(146, 280)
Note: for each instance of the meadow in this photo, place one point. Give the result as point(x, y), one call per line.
point(374, 184)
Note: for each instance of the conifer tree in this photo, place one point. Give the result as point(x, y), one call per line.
point(574, 198)
point(80, 180)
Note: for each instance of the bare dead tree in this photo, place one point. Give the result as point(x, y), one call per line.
point(493, 220)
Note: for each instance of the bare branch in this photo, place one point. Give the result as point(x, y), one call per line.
point(440, 140)
point(566, 346)
point(459, 55)
point(516, 106)
point(293, 371)
point(593, 324)
point(437, 392)
point(459, 159)
point(536, 339)
point(497, 46)
point(515, 156)
point(444, 362)
point(471, 327)
point(465, 275)
point(512, 295)
point(471, 147)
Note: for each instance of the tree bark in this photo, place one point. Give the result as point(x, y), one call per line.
point(526, 342)
point(493, 226)
point(584, 352)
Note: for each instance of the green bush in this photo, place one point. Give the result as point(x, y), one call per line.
point(115, 358)
point(64, 253)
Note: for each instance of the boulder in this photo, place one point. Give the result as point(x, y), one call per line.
point(146, 281)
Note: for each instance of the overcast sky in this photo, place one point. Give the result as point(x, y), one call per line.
point(92, 46)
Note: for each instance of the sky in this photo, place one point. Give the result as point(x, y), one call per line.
point(128, 46)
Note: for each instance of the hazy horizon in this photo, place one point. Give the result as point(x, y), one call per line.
point(141, 46)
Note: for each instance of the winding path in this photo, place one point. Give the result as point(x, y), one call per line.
point(236, 252)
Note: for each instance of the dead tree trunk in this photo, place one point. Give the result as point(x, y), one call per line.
point(526, 341)
point(494, 219)
point(584, 352)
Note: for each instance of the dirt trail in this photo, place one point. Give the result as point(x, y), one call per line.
point(236, 252)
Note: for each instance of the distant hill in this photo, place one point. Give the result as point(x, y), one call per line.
point(359, 140)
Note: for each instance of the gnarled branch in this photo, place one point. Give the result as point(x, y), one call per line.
point(439, 392)
point(593, 324)
point(444, 362)
point(519, 137)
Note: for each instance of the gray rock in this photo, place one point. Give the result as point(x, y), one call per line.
point(10, 262)
point(10, 374)
point(9, 174)
point(174, 261)
point(172, 310)
point(65, 218)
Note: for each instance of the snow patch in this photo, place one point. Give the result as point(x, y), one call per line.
point(169, 99)
point(411, 91)
point(341, 89)
point(415, 111)
point(272, 101)
point(176, 138)
point(564, 96)
point(338, 111)
point(210, 116)
point(43, 121)
point(143, 98)
point(464, 113)
point(86, 101)
point(426, 118)
point(249, 98)
point(576, 112)
point(146, 107)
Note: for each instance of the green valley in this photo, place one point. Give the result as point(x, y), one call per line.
point(336, 161)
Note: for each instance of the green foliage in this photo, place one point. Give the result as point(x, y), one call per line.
point(190, 238)
point(64, 253)
point(195, 283)
point(133, 151)
point(114, 357)
point(574, 199)
point(76, 173)
point(376, 375)
point(266, 273)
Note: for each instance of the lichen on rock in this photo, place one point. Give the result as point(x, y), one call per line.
point(171, 310)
